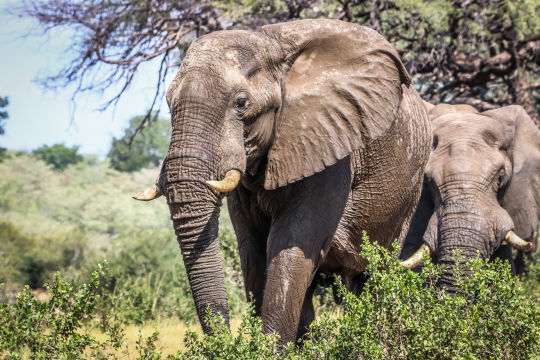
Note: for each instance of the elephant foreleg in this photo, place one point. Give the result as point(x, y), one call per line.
point(299, 239)
point(290, 274)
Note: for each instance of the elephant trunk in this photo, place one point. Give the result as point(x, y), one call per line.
point(462, 227)
point(191, 161)
point(195, 222)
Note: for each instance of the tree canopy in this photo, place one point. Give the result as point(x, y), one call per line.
point(58, 155)
point(130, 153)
point(485, 53)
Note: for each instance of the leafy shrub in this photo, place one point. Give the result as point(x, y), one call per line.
point(531, 279)
point(58, 155)
point(401, 315)
point(58, 328)
point(48, 329)
point(250, 343)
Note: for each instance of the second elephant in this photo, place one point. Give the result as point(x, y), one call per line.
point(481, 189)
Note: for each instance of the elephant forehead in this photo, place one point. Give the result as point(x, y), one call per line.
point(466, 124)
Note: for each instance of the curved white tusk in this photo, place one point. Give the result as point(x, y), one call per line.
point(416, 258)
point(148, 194)
point(227, 184)
point(518, 242)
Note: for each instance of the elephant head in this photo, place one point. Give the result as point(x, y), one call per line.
point(481, 185)
point(276, 105)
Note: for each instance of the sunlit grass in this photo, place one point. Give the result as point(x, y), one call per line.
point(170, 339)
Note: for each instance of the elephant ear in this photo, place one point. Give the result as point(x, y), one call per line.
point(522, 196)
point(341, 88)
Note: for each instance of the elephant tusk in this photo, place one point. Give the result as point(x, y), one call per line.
point(518, 242)
point(416, 258)
point(148, 194)
point(227, 184)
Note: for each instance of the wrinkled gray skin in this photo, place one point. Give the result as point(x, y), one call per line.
point(319, 117)
point(481, 181)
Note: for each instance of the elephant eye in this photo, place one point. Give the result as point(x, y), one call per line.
point(240, 104)
point(502, 173)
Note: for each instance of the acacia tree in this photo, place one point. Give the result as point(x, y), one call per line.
point(114, 37)
point(485, 53)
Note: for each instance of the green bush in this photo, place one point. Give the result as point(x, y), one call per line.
point(58, 155)
point(52, 329)
point(401, 315)
point(250, 343)
point(531, 279)
point(58, 328)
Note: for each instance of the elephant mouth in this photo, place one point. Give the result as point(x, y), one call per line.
point(511, 238)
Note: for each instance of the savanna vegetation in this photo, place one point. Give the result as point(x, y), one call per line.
point(89, 273)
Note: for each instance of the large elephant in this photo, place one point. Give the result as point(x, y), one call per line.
point(317, 134)
point(481, 190)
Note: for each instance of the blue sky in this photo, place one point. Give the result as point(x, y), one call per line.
point(38, 116)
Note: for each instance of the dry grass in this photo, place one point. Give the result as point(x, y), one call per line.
point(170, 339)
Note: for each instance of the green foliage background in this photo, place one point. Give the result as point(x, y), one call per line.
point(58, 155)
point(147, 149)
point(57, 225)
point(71, 220)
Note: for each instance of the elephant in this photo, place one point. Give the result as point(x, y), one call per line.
point(316, 133)
point(481, 191)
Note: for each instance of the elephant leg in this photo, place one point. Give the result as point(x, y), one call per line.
point(251, 228)
point(308, 312)
point(299, 238)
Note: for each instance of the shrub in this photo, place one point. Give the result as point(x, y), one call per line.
point(58, 328)
point(399, 315)
point(402, 315)
point(58, 155)
point(250, 343)
point(48, 329)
